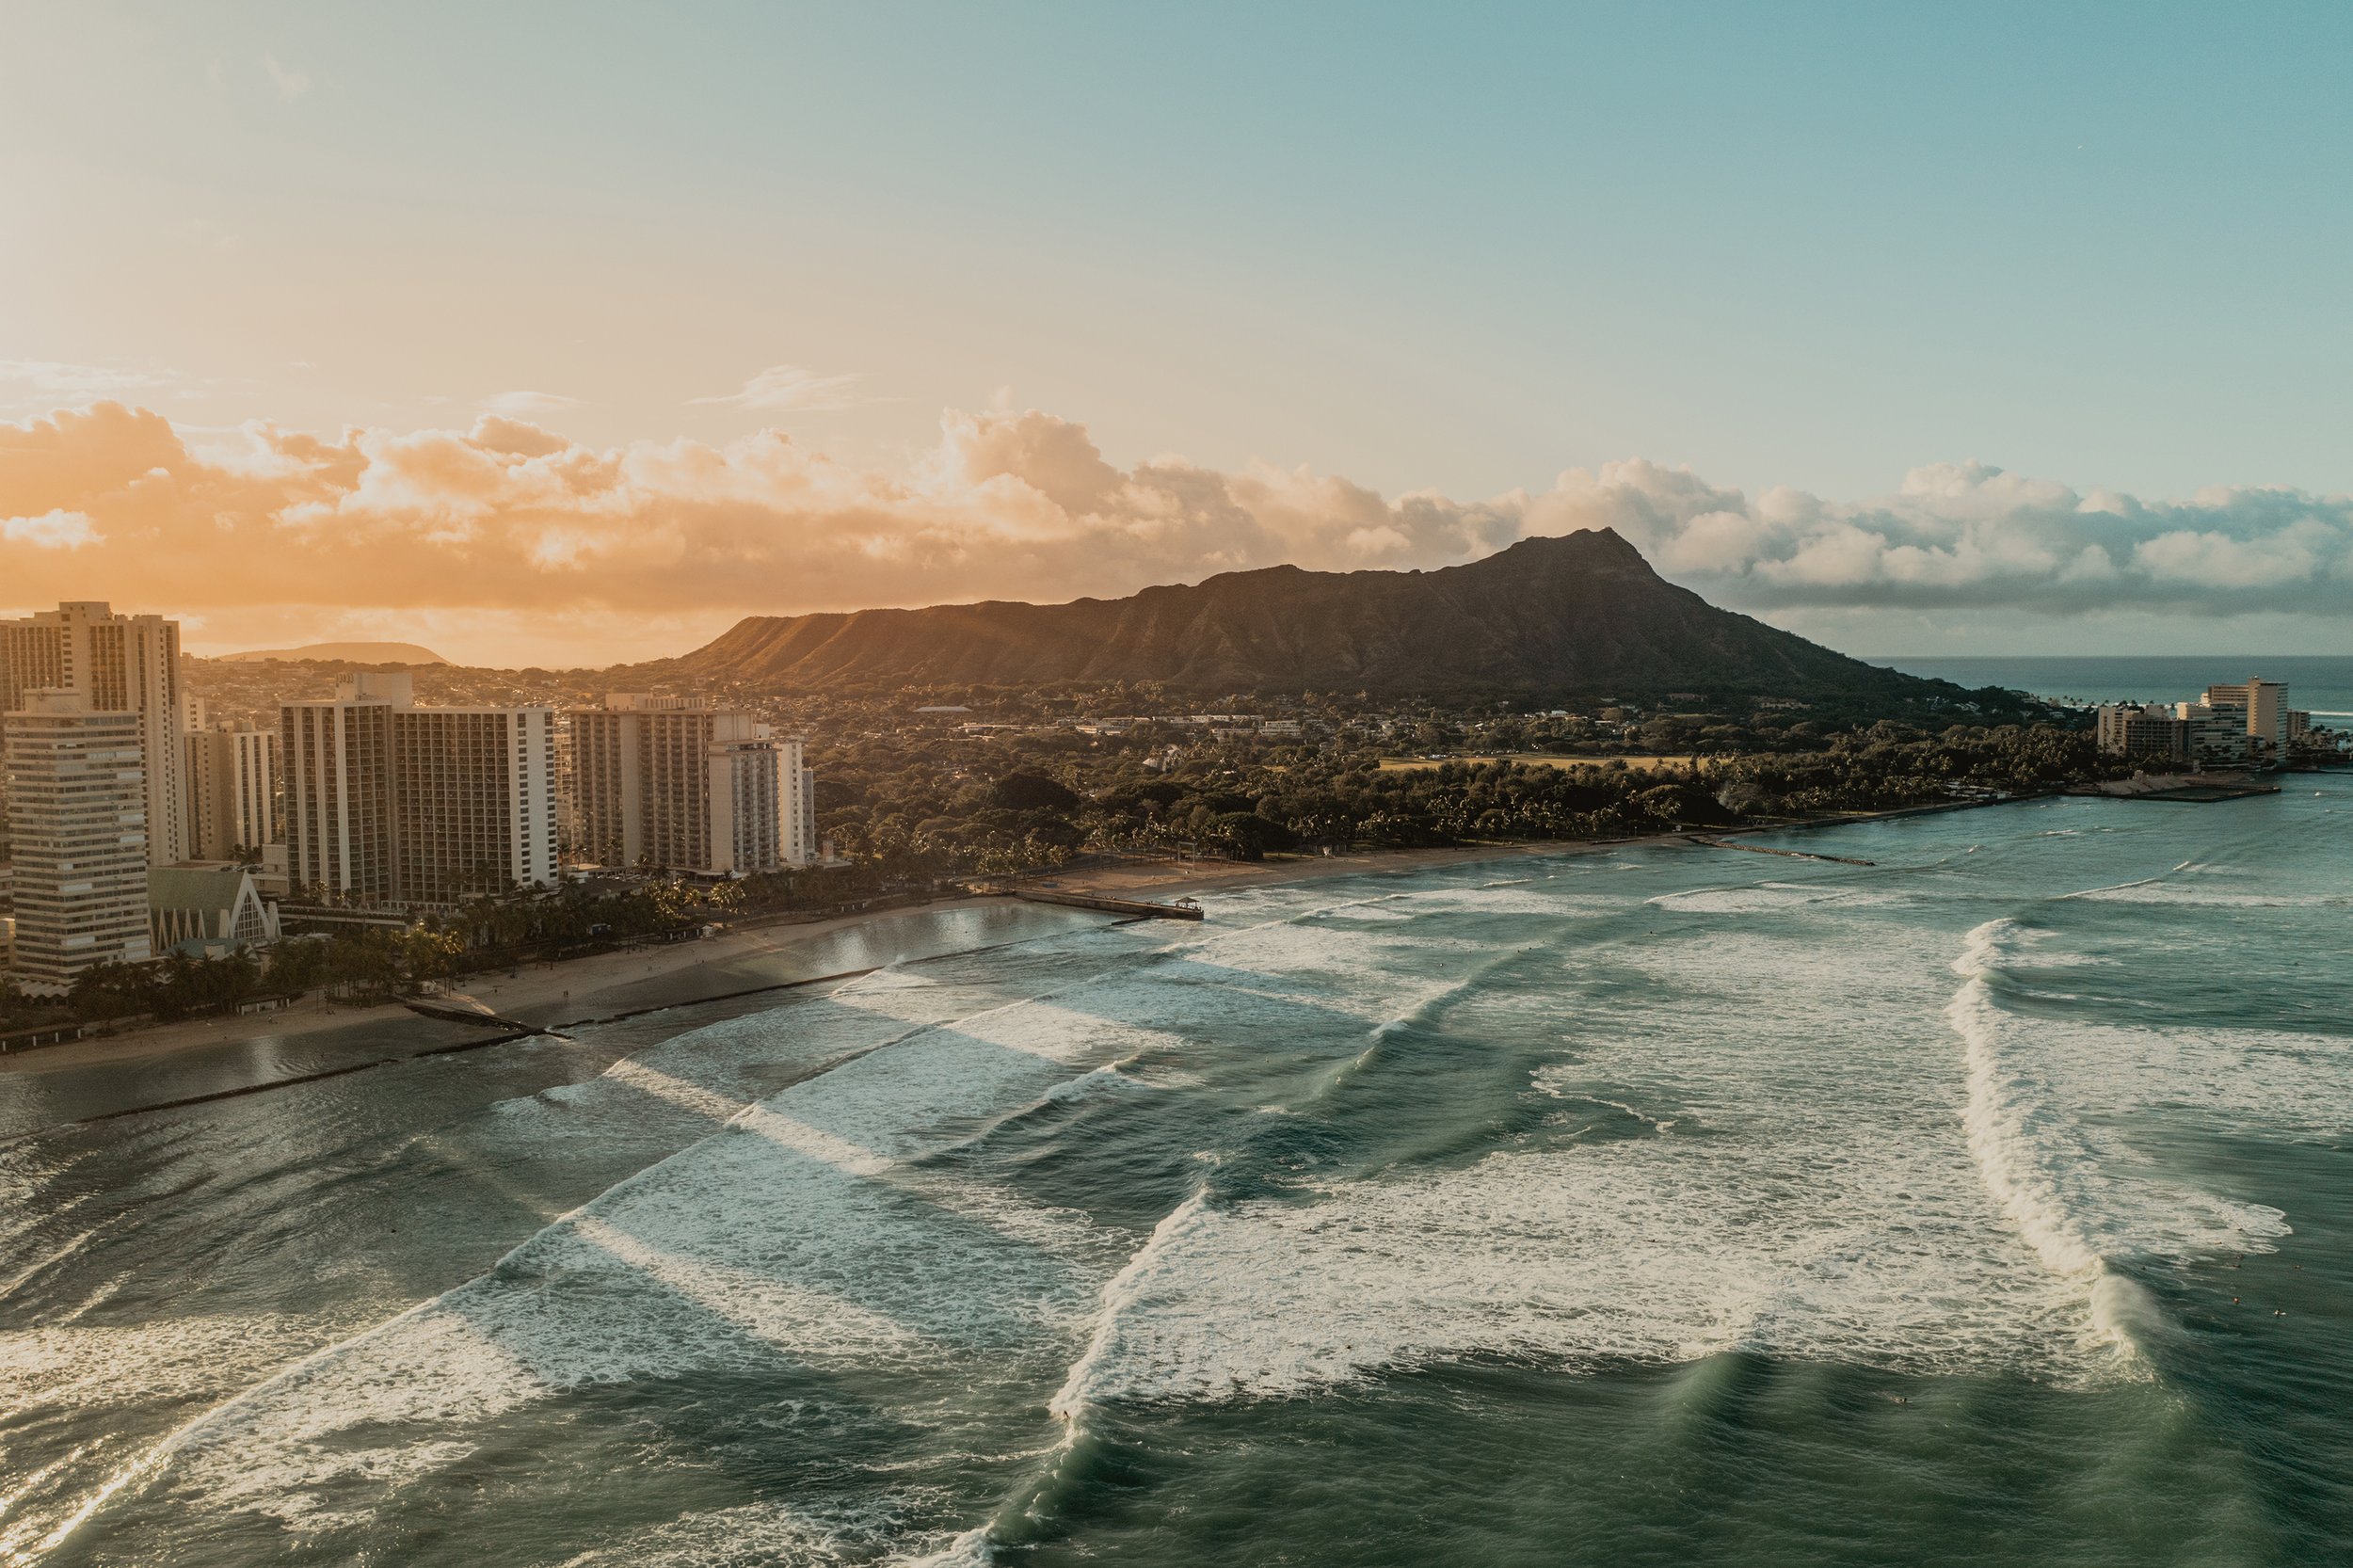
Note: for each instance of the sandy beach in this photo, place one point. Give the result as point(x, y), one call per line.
point(678, 974)
point(547, 995)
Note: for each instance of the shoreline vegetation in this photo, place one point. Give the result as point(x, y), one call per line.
point(929, 817)
point(550, 996)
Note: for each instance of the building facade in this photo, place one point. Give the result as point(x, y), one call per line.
point(2153, 731)
point(337, 754)
point(474, 802)
point(2229, 725)
point(2262, 708)
point(118, 663)
point(387, 802)
point(207, 910)
point(230, 772)
point(671, 783)
point(77, 818)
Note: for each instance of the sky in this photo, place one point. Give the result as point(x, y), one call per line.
point(571, 333)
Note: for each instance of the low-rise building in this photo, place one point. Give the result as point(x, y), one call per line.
point(206, 909)
point(2152, 732)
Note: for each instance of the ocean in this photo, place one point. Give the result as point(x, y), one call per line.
point(2316, 685)
point(1990, 1204)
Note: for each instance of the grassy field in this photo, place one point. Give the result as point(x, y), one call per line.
point(1551, 759)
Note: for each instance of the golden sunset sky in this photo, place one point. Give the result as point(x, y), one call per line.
point(571, 334)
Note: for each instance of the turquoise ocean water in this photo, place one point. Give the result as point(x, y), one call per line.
point(1992, 1203)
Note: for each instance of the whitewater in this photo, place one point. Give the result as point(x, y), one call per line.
point(1990, 1203)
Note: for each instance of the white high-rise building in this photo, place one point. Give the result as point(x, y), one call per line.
point(674, 784)
point(118, 663)
point(796, 802)
point(232, 775)
point(77, 816)
point(388, 802)
point(2264, 705)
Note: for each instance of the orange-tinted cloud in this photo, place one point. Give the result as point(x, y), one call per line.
point(508, 520)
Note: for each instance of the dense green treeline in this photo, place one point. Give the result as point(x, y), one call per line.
point(1029, 800)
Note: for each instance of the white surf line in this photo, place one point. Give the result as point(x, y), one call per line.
point(1071, 1404)
point(147, 1465)
point(143, 1468)
point(1998, 1120)
point(60, 1253)
point(2111, 888)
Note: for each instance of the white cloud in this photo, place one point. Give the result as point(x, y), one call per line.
point(789, 389)
point(523, 404)
point(53, 529)
point(292, 81)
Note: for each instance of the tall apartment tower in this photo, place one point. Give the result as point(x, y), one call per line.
point(118, 663)
point(388, 802)
point(77, 814)
point(673, 783)
point(231, 770)
point(796, 803)
point(338, 758)
point(473, 801)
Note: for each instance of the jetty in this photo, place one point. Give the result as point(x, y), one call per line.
point(1138, 910)
point(481, 1017)
point(2200, 788)
point(1760, 849)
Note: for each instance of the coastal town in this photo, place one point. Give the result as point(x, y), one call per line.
point(190, 837)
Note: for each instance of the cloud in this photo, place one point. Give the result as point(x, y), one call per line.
point(291, 81)
point(507, 522)
point(520, 404)
point(52, 530)
point(789, 389)
point(1969, 534)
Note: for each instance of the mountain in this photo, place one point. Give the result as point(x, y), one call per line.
point(1581, 614)
point(355, 653)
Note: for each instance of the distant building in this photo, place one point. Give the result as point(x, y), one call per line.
point(2216, 736)
point(118, 663)
point(205, 911)
point(2230, 726)
point(230, 772)
point(388, 802)
point(2128, 731)
point(675, 784)
point(77, 819)
point(2263, 705)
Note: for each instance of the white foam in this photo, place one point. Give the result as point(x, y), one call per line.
point(2063, 1183)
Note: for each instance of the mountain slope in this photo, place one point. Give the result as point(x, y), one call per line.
point(1579, 615)
point(358, 653)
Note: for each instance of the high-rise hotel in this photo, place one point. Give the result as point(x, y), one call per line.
point(77, 804)
point(231, 773)
point(387, 802)
point(671, 783)
point(117, 665)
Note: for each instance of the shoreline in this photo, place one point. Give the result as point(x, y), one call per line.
point(556, 996)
